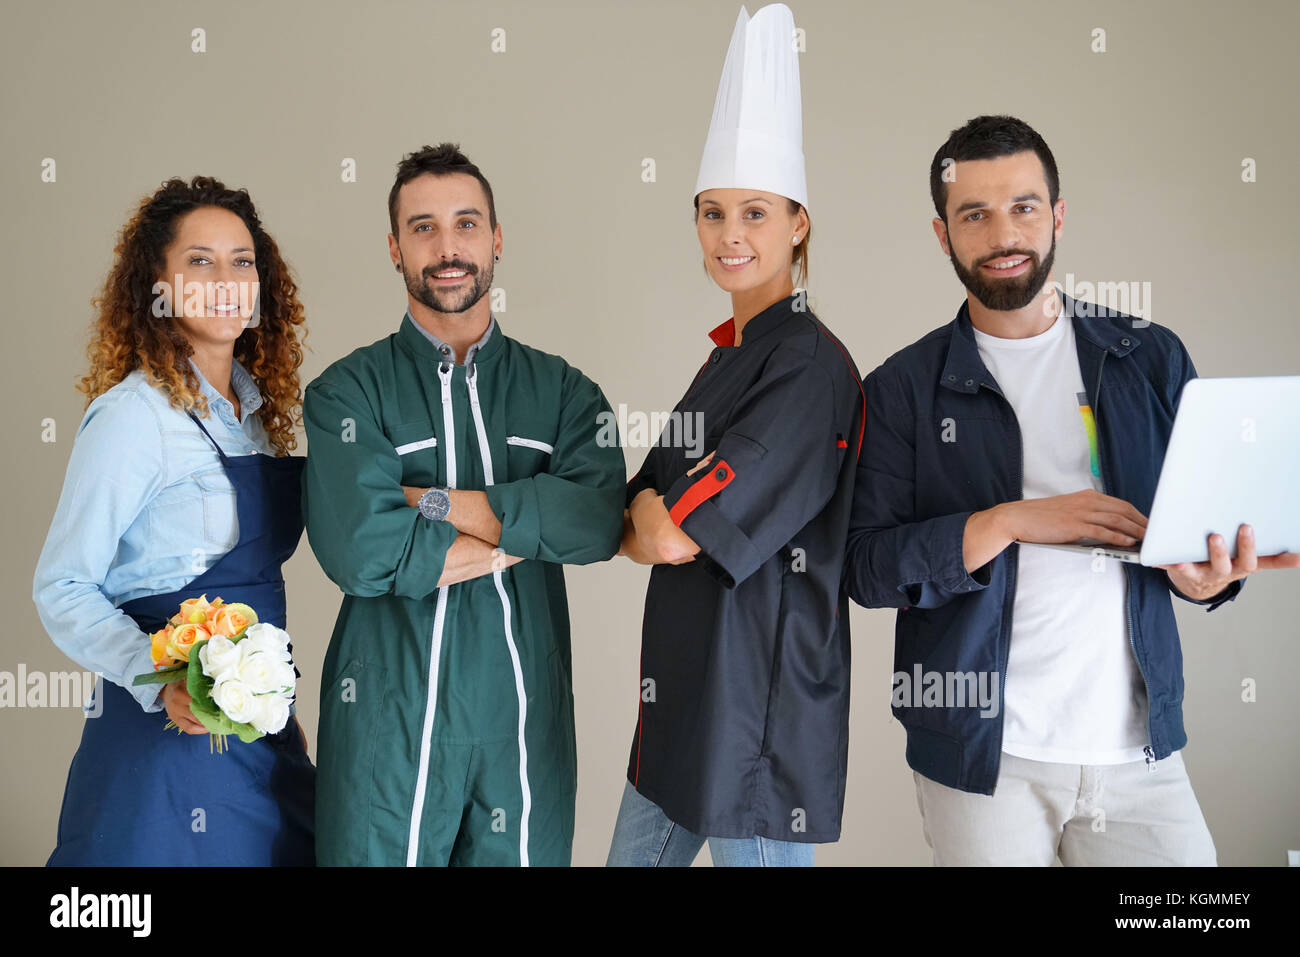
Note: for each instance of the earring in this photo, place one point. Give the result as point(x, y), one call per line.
point(795, 239)
point(497, 258)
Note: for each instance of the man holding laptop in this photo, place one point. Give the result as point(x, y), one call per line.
point(1032, 418)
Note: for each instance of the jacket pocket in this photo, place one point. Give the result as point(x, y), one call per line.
point(561, 681)
point(526, 456)
point(351, 706)
point(562, 691)
point(416, 445)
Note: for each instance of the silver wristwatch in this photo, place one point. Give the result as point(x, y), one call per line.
point(435, 503)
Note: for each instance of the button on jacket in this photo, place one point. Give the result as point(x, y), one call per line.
point(743, 721)
point(915, 492)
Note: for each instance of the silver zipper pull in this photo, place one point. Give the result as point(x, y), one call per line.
point(1151, 758)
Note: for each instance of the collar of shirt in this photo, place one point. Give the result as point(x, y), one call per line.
point(964, 370)
point(446, 351)
point(765, 321)
point(246, 390)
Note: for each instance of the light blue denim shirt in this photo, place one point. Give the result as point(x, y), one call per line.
point(146, 508)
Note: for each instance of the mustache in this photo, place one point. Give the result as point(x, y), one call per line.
point(430, 271)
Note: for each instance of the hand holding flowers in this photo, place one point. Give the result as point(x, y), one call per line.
point(238, 671)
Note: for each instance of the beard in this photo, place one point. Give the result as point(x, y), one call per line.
point(1006, 295)
point(448, 300)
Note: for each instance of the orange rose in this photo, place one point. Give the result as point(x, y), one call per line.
point(195, 610)
point(158, 651)
point(183, 638)
point(214, 608)
point(230, 620)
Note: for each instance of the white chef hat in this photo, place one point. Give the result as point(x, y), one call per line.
point(756, 134)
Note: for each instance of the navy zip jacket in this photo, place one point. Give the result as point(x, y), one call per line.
point(914, 493)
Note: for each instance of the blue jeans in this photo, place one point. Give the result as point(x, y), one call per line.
point(645, 837)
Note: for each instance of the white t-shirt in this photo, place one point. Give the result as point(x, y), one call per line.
point(1074, 693)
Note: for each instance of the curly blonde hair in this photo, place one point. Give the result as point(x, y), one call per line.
point(126, 335)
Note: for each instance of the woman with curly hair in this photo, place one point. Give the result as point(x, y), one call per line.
point(180, 484)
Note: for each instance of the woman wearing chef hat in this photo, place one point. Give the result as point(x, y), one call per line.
point(742, 730)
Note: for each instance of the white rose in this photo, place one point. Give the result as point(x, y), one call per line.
point(266, 637)
point(284, 678)
point(218, 657)
point(257, 669)
point(235, 699)
point(271, 713)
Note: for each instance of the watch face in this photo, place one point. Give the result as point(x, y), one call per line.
point(435, 504)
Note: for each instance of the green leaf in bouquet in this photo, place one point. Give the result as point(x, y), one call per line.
point(200, 687)
point(163, 676)
point(197, 683)
point(212, 717)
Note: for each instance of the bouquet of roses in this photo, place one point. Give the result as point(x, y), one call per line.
point(237, 669)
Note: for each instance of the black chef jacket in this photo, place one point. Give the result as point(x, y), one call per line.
point(744, 696)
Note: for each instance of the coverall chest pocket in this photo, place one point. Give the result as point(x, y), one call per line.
point(417, 446)
point(528, 453)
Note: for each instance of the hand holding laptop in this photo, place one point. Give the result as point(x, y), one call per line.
point(1201, 580)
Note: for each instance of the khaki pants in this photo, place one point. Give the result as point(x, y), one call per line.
point(1114, 815)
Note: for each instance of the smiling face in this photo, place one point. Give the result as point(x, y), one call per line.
point(210, 275)
point(746, 236)
point(1001, 229)
point(445, 246)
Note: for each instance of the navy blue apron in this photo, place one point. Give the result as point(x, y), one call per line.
point(140, 795)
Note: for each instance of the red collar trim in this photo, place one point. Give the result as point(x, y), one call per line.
point(725, 334)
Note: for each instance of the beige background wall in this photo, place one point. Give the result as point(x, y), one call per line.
point(604, 269)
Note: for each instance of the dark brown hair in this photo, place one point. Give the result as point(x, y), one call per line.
point(440, 160)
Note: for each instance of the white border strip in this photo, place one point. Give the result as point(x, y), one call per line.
point(486, 455)
point(435, 652)
point(416, 446)
point(530, 443)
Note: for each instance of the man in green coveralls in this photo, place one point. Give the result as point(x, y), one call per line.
point(451, 472)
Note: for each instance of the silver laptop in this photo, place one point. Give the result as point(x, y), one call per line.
point(1233, 459)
